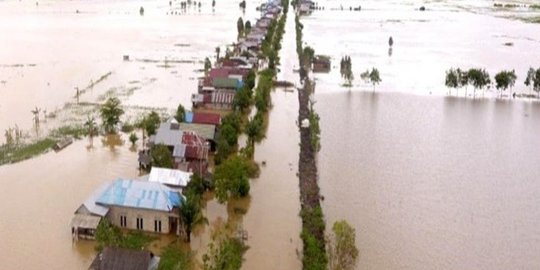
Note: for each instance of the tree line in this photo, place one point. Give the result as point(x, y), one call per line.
point(480, 79)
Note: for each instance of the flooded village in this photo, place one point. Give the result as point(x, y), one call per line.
point(269, 134)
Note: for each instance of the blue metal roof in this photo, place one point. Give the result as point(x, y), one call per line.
point(188, 117)
point(140, 194)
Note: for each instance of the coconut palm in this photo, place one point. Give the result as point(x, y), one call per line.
point(110, 114)
point(191, 214)
point(91, 128)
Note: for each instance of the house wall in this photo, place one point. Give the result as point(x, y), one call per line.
point(148, 217)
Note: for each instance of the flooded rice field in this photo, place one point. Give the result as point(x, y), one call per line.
point(429, 181)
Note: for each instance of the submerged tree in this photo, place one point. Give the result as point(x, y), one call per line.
point(240, 26)
point(346, 70)
point(342, 250)
point(479, 78)
point(217, 53)
point(207, 65)
point(191, 214)
point(110, 114)
point(504, 80)
point(91, 128)
point(451, 80)
point(372, 77)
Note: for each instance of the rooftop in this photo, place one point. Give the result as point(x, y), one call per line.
point(140, 194)
point(169, 177)
point(203, 118)
point(89, 207)
point(123, 259)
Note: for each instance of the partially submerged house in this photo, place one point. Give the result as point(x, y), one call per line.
point(141, 205)
point(130, 204)
point(217, 100)
point(112, 258)
point(321, 63)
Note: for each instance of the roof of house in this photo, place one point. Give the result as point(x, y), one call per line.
point(206, 131)
point(89, 207)
point(167, 135)
point(85, 221)
point(169, 176)
point(203, 118)
point(226, 83)
point(122, 259)
point(140, 194)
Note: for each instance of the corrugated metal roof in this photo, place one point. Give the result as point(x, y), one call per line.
point(85, 221)
point(207, 132)
point(90, 204)
point(206, 118)
point(140, 194)
point(179, 150)
point(226, 83)
point(169, 177)
point(167, 136)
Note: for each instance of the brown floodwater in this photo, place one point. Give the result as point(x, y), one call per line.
point(429, 182)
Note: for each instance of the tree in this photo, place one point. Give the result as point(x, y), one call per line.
point(390, 42)
point(191, 214)
point(346, 70)
point(110, 114)
point(247, 27)
point(133, 138)
point(207, 65)
point(504, 80)
point(240, 26)
point(479, 78)
point(224, 253)
point(243, 4)
point(173, 257)
point(213, 5)
point(374, 77)
point(229, 133)
point(151, 123)
point(180, 114)
point(308, 56)
point(451, 80)
point(254, 129)
point(342, 250)
point(217, 53)
point(242, 99)
point(231, 178)
point(463, 79)
point(91, 127)
point(161, 156)
point(536, 81)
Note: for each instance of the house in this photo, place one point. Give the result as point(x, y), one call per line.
point(183, 141)
point(321, 64)
point(87, 217)
point(203, 118)
point(141, 205)
point(175, 179)
point(112, 258)
point(217, 100)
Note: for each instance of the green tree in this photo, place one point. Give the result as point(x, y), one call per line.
point(451, 80)
point(536, 81)
point(504, 80)
point(242, 99)
point(150, 123)
point(110, 114)
point(240, 26)
point(230, 134)
point(231, 178)
point(479, 79)
point(91, 128)
point(224, 253)
point(173, 257)
point(374, 77)
point(161, 156)
point(533, 80)
point(207, 65)
point(254, 129)
point(247, 27)
point(342, 250)
point(463, 79)
point(217, 53)
point(180, 114)
point(133, 138)
point(191, 214)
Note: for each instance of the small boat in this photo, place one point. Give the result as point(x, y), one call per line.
point(62, 144)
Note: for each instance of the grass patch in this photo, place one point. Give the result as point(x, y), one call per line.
point(12, 154)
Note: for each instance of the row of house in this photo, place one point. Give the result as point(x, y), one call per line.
point(218, 88)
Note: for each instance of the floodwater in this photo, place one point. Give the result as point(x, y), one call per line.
point(429, 181)
point(51, 50)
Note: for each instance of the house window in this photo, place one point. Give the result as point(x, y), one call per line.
point(157, 225)
point(140, 223)
point(123, 221)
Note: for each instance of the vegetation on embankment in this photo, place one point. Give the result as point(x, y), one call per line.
point(313, 224)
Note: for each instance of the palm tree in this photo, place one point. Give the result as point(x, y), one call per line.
point(529, 79)
point(217, 53)
point(451, 80)
point(254, 129)
point(91, 128)
point(191, 214)
point(110, 114)
point(374, 77)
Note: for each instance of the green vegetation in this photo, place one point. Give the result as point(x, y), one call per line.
point(108, 235)
point(533, 80)
point(180, 114)
point(342, 250)
point(240, 26)
point(346, 70)
point(504, 80)
point(315, 129)
point(231, 178)
point(110, 114)
point(173, 257)
point(161, 156)
point(191, 213)
point(133, 138)
point(372, 77)
point(224, 253)
point(16, 153)
point(207, 65)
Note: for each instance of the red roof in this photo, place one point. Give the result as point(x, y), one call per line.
point(207, 118)
point(219, 73)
